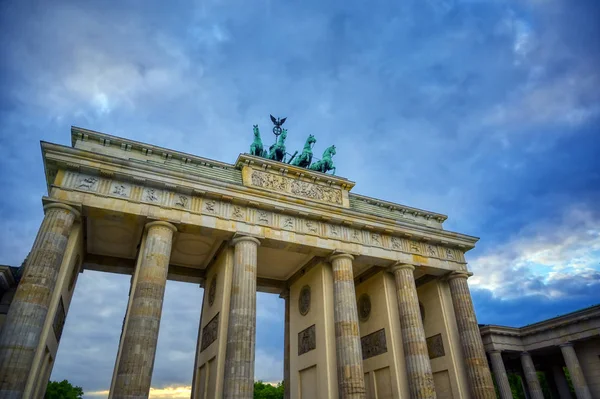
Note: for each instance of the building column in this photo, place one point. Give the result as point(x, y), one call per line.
point(533, 384)
point(351, 379)
point(285, 295)
point(581, 388)
point(478, 370)
point(136, 361)
point(561, 382)
point(241, 333)
point(416, 356)
point(500, 373)
point(27, 314)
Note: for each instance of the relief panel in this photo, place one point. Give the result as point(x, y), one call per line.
point(299, 188)
point(373, 344)
point(307, 340)
point(210, 332)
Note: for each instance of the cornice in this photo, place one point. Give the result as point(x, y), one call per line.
point(545, 325)
point(95, 163)
point(78, 133)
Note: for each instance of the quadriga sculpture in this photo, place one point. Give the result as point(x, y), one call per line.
point(305, 158)
point(326, 163)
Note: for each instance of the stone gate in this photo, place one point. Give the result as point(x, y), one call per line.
point(376, 297)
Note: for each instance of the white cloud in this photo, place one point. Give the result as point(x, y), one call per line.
point(542, 257)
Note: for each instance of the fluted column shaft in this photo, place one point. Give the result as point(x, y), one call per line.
point(25, 319)
point(561, 382)
point(134, 371)
point(416, 357)
point(285, 295)
point(351, 380)
point(533, 384)
point(581, 388)
point(478, 370)
point(241, 334)
point(500, 373)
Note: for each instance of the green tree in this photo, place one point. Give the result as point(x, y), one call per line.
point(268, 391)
point(63, 390)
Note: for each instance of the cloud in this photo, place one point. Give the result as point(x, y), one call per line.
point(556, 259)
point(484, 110)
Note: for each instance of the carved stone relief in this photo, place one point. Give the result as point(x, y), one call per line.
point(288, 223)
point(152, 195)
point(210, 332)
point(120, 189)
point(59, 320)
point(307, 340)
point(210, 206)
point(182, 201)
point(312, 226)
point(212, 290)
point(376, 239)
point(431, 250)
point(435, 346)
point(299, 188)
point(373, 344)
point(238, 212)
point(415, 247)
point(304, 300)
point(89, 183)
point(364, 307)
point(299, 224)
point(263, 217)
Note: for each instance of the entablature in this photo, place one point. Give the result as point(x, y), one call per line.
point(133, 181)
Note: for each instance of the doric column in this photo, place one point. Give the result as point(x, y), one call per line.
point(136, 362)
point(241, 334)
point(533, 384)
point(579, 383)
point(416, 357)
point(285, 295)
point(561, 382)
point(351, 380)
point(27, 314)
point(478, 371)
point(500, 373)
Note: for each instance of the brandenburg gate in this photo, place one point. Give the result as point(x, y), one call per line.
point(376, 297)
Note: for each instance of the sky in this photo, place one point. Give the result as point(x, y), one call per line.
point(485, 110)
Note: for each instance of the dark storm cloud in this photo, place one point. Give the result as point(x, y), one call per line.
point(485, 110)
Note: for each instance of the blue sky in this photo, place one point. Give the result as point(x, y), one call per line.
point(487, 111)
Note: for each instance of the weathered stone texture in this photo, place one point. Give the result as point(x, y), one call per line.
point(285, 295)
point(500, 373)
point(416, 357)
point(25, 320)
point(478, 371)
point(351, 380)
point(241, 334)
point(581, 388)
point(134, 371)
point(533, 384)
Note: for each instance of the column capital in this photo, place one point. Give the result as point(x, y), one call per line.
point(525, 354)
point(161, 223)
point(400, 266)
point(459, 274)
point(494, 351)
point(566, 344)
point(60, 205)
point(241, 238)
point(285, 294)
point(340, 255)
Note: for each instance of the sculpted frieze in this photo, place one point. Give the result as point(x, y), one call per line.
point(168, 197)
point(296, 187)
